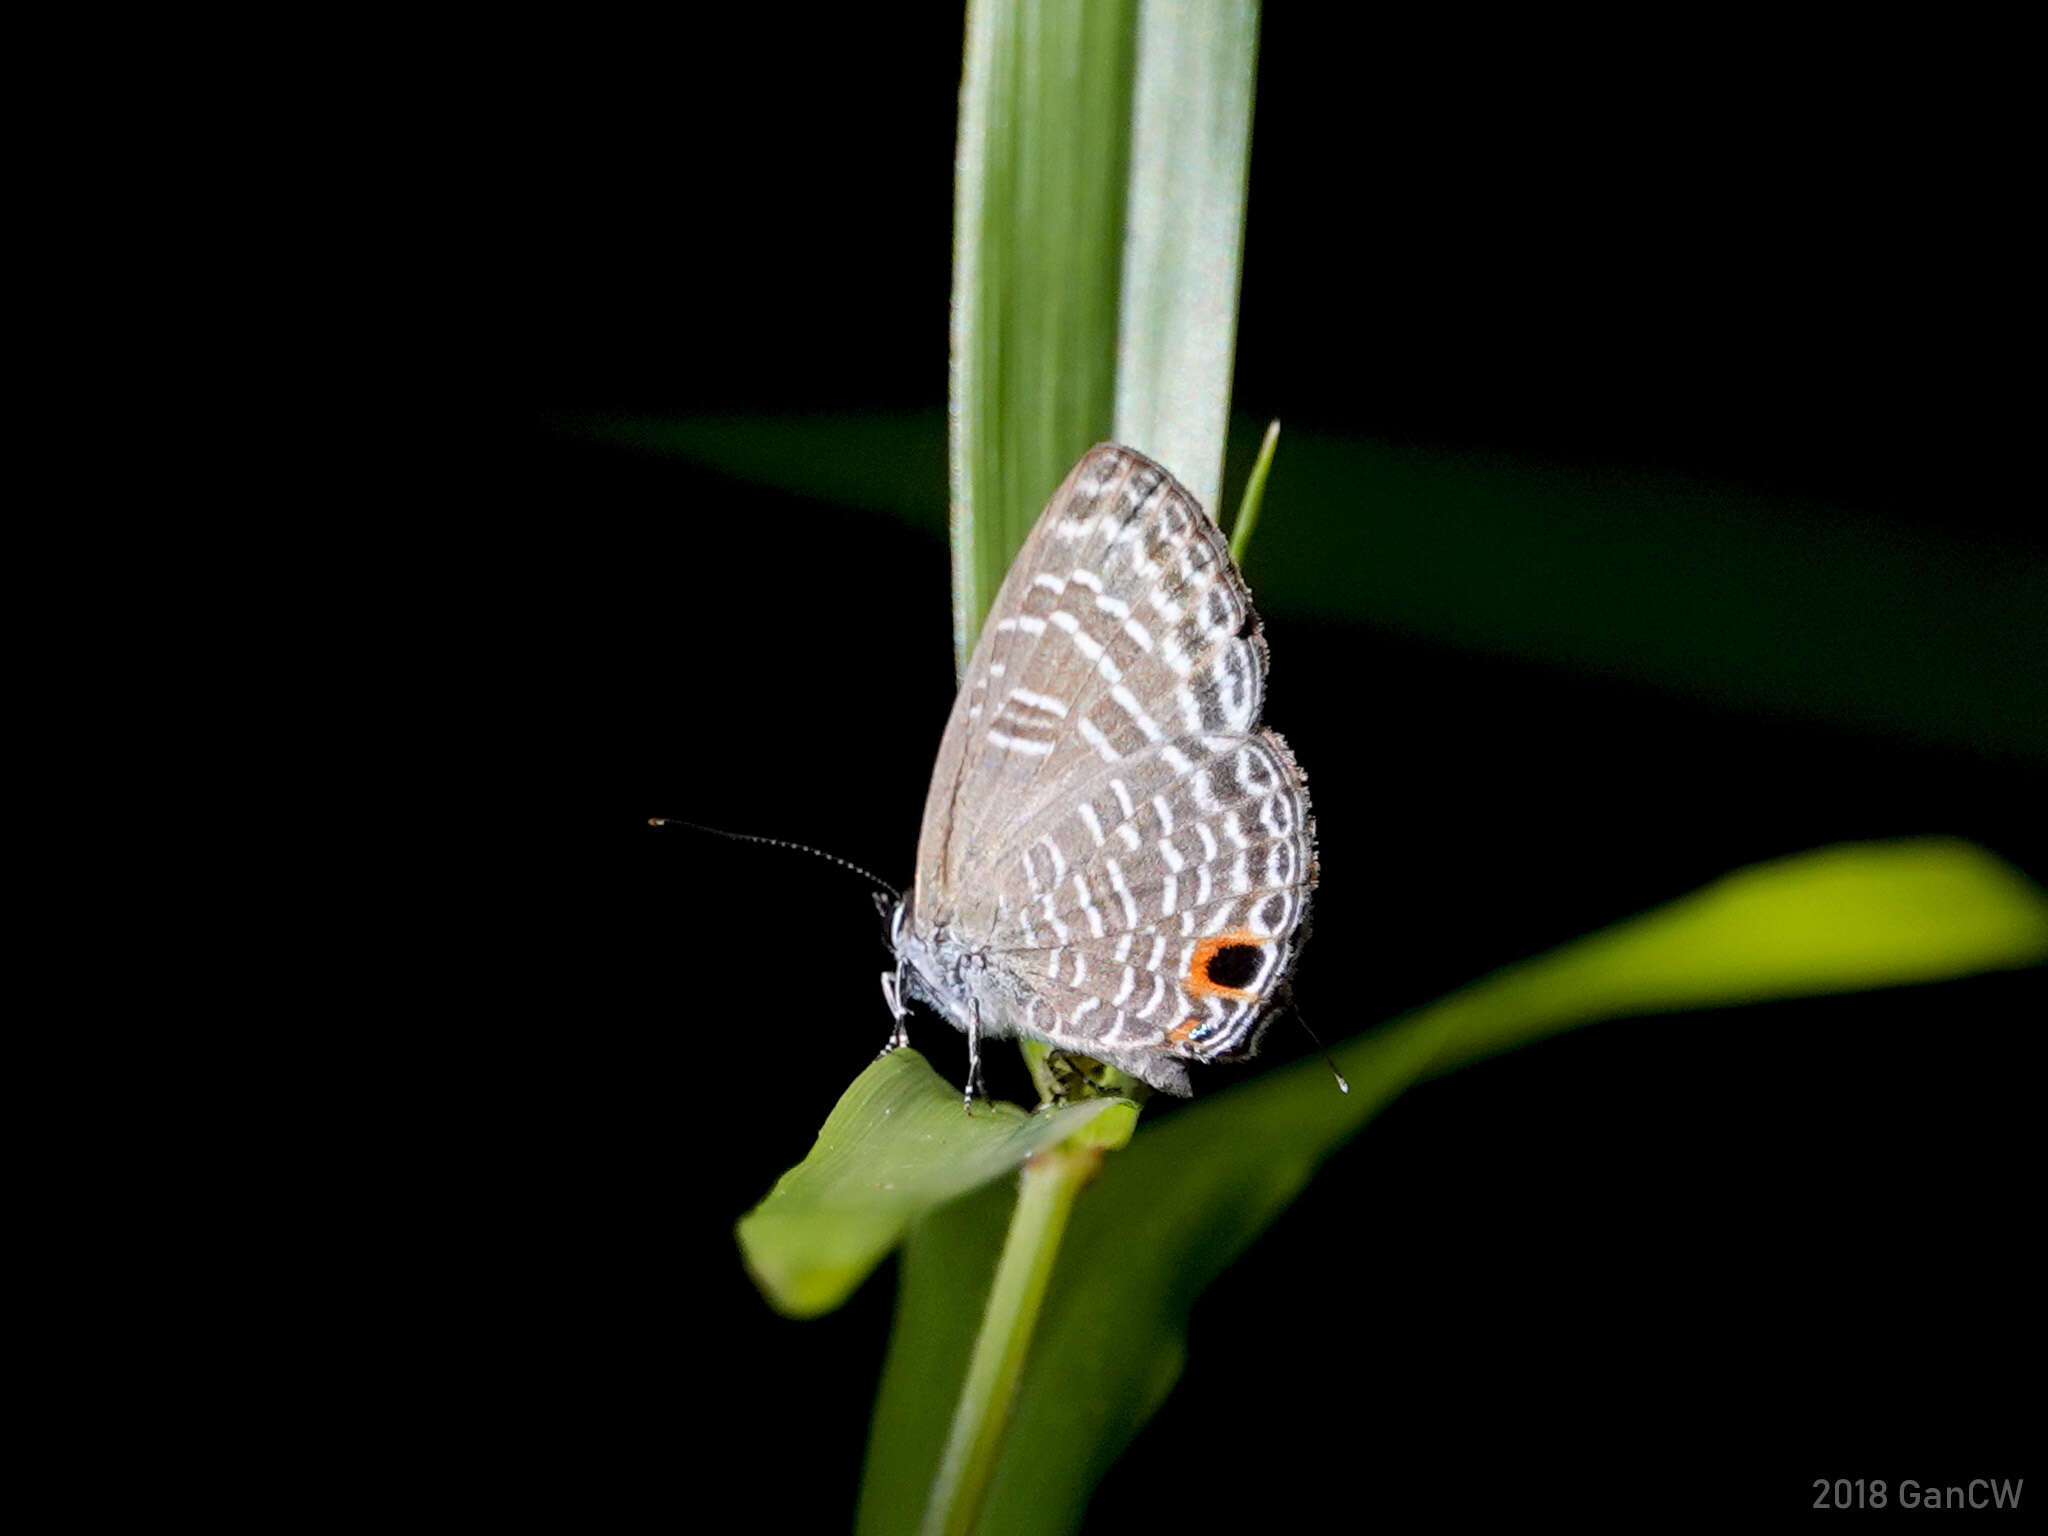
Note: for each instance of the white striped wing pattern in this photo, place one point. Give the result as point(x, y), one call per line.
point(1116, 857)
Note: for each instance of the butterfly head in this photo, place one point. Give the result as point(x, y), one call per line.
point(936, 966)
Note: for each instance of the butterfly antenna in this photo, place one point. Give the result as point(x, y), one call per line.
point(1328, 1060)
point(778, 842)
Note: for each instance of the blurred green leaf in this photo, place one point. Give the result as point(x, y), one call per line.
point(1815, 612)
point(1710, 591)
point(1180, 1203)
point(897, 1144)
point(1842, 919)
point(892, 462)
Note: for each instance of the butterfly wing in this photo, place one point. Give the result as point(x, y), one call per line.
point(1107, 817)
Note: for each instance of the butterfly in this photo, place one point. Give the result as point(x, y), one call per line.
point(1116, 857)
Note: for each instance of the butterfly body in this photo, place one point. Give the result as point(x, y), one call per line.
point(1116, 857)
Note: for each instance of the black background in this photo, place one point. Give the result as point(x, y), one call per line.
point(1656, 1265)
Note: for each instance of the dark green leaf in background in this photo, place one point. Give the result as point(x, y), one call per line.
point(1811, 612)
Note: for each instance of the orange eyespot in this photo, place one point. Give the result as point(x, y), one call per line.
point(1226, 964)
point(1180, 1032)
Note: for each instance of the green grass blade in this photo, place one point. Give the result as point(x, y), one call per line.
point(1190, 152)
point(1185, 1198)
point(1070, 197)
point(942, 1290)
point(1040, 189)
point(1045, 1203)
point(1254, 496)
point(896, 1145)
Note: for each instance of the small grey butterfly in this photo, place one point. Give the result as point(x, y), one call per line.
point(1116, 857)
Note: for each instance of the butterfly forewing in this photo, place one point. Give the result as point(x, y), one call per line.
point(1107, 820)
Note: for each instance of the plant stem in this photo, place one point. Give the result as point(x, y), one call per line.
point(1045, 1198)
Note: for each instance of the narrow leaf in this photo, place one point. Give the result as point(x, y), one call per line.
point(897, 1144)
point(1254, 496)
point(941, 1294)
point(1190, 152)
point(1841, 919)
point(1040, 187)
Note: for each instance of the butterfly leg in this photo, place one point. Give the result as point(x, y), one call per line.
point(892, 994)
point(974, 1083)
